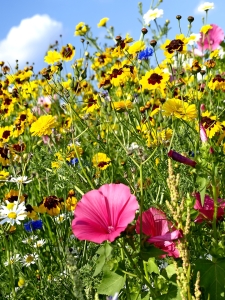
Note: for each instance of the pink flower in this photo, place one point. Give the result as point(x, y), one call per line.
point(160, 230)
point(203, 134)
point(182, 159)
point(104, 213)
point(43, 105)
point(207, 210)
point(212, 39)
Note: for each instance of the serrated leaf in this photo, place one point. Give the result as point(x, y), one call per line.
point(111, 283)
point(212, 277)
point(152, 266)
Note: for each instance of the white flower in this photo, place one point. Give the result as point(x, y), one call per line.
point(20, 179)
point(206, 6)
point(61, 218)
point(39, 243)
point(12, 213)
point(194, 37)
point(30, 259)
point(30, 239)
point(12, 260)
point(152, 14)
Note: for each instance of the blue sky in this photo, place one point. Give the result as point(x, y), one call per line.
point(28, 27)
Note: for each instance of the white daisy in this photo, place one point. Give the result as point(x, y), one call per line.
point(61, 218)
point(152, 14)
point(206, 6)
point(30, 239)
point(30, 259)
point(12, 212)
point(20, 179)
point(13, 259)
point(39, 243)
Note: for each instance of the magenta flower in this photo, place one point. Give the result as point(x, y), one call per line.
point(212, 39)
point(207, 210)
point(182, 159)
point(103, 214)
point(203, 134)
point(160, 231)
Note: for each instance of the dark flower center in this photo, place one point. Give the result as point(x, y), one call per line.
point(207, 122)
point(6, 134)
point(155, 78)
point(175, 45)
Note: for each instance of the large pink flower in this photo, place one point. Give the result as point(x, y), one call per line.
point(207, 210)
point(160, 230)
point(212, 39)
point(104, 213)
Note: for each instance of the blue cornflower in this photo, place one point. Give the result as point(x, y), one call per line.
point(73, 161)
point(145, 54)
point(33, 225)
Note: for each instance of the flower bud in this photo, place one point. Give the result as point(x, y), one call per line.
point(190, 19)
point(144, 31)
point(153, 43)
point(178, 17)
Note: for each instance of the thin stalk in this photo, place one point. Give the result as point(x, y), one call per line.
point(12, 281)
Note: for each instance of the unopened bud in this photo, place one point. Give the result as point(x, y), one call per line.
point(153, 43)
point(178, 17)
point(190, 19)
point(144, 30)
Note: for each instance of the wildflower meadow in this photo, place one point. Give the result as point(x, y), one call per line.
point(112, 166)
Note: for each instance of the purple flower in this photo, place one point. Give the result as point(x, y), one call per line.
point(33, 225)
point(145, 54)
point(182, 159)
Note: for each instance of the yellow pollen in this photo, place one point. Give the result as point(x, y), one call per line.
point(29, 258)
point(12, 215)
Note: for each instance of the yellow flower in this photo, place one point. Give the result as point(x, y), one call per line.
point(214, 54)
point(211, 124)
point(103, 22)
point(4, 175)
point(67, 52)
point(122, 105)
point(6, 133)
point(43, 126)
point(177, 45)
point(136, 47)
point(81, 29)
point(205, 28)
point(154, 79)
point(101, 161)
point(71, 203)
point(217, 83)
point(52, 57)
point(179, 109)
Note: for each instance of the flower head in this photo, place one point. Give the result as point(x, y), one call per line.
point(33, 225)
point(52, 57)
point(67, 52)
point(43, 126)
point(101, 161)
point(136, 47)
point(206, 6)
point(103, 22)
point(12, 213)
point(152, 14)
point(30, 259)
point(210, 38)
point(145, 54)
point(159, 230)
point(104, 213)
point(206, 211)
point(179, 109)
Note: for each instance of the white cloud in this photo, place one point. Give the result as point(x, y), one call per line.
point(30, 40)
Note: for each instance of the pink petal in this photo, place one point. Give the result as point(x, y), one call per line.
point(169, 236)
point(103, 214)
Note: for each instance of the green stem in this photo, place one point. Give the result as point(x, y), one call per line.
point(215, 200)
point(12, 282)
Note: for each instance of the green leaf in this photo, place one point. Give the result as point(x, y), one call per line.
point(170, 270)
point(152, 266)
point(104, 252)
point(105, 249)
point(151, 251)
point(111, 283)
point(202, 182)
point(212, 277)
point(172, 294)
